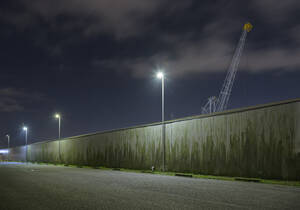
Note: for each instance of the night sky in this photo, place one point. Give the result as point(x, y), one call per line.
point(94, 61)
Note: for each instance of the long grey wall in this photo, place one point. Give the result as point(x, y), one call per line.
point(261, 141)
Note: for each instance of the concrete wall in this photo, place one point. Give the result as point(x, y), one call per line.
point(259, 141)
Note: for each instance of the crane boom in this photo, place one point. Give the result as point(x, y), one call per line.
point(219, 104)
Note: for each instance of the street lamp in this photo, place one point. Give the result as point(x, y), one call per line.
point(57, 116)
point(7, 135)
point(160, 75)
point(26, 131)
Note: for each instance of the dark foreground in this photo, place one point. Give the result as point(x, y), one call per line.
point(54, 187)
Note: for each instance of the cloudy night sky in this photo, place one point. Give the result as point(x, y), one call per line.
point(95, 61)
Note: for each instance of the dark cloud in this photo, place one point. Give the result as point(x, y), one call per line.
point(121, 18)
point(10, 105)
point(276, 12)
point(199, 45)
point(273, 59)
point(187, 58)
point(15, 100)
point(214, 48)
point(294, 34)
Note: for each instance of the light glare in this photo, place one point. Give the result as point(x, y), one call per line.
point(25, 128)
point(160, 75)
point(57, 116)
point(3, 151)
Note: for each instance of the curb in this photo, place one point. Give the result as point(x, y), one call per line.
point(184, 175)
point(247, 179)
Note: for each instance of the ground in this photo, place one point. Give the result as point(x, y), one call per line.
point(33, 186)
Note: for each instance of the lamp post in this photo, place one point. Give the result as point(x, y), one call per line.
point(57, 116)
point(26, 131)
point(8, 138)
point(160, 75)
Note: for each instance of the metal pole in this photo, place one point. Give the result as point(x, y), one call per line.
point(7, 141)
point(59, 139)
point(8, 146)
point(26, 143)
point(163, 119)
point(59, 127)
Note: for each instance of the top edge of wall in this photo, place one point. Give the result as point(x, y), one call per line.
point(232, 111)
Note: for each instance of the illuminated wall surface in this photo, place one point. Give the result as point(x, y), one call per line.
point(262, 141)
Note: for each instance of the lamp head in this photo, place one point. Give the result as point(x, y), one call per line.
point(57, 116)
point(160, 75)
point(25, 128)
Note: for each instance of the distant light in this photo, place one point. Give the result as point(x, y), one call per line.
point(57, 116)
point(160, 75)
point(3, 151)
point(25, 128)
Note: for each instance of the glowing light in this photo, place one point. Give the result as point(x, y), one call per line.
point(160, 75)
point(3, 151)
point(25, 128)
point(57, 116)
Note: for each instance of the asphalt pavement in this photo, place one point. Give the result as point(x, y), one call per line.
point(32, 186)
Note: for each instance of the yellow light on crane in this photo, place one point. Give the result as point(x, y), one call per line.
point(248, 27)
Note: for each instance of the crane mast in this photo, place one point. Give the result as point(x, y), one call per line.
point(219, 104)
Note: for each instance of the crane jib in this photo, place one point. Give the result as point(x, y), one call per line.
point(219, 104)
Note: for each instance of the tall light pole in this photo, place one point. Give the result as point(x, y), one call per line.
point(57, 116)
point(26, 131)
point(160, 75)
point(7, 135)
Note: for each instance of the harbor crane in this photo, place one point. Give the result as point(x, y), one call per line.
point(219, 104)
